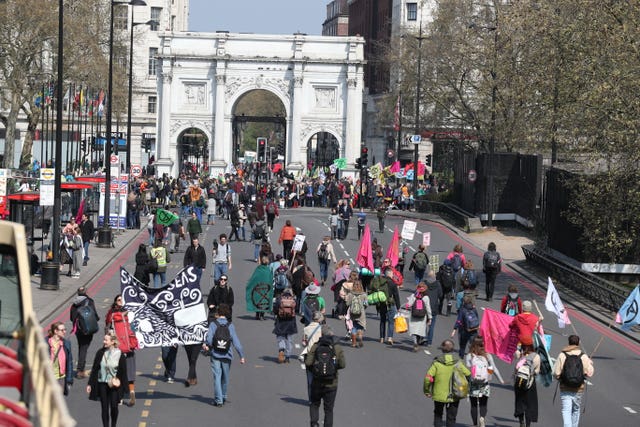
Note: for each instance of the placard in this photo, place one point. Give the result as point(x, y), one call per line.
point(298, 240)
point(426, 238)
point(408, 229)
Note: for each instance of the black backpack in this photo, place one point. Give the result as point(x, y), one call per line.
point(572, 374)
point(87, 319)
point(221, 342)
point(258, 233)
point(323, 253)
point(447, 278)
point(324, 363)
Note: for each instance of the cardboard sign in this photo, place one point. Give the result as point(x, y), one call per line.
point(298, 240)
point(408, 229)
point(426, 238)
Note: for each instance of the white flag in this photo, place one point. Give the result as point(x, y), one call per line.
point(554, 305)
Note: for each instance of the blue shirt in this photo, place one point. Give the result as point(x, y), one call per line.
point(234, 340)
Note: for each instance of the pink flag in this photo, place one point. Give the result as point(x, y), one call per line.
point(394, 247)
point(395, 167)
point(80, 212)
point(499, 339)
point(420, 168)
point(365, 254)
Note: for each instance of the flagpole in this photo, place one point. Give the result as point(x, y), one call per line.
point(600, 340)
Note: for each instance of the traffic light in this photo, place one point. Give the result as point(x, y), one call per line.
point(262, 149)
point(358, 163)
point(83, 145)
point(364, 156)
point(427, 160)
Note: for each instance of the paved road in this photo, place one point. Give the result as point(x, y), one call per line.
point(380, 386)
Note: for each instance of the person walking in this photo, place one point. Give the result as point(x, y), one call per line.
point(84, 319)
point(221, 356)
point(482, 366)
point(193, 226)
point(259, 235)
point(271, 208)
point(525, 324)
point(419, 263)
point(467, 324)
point(142, 265)
point(572, 368)
point(333, 223)
point(526, 399)
point(491, 266)
point(362, 221)
point(221, 257)
point(177, 231)
point(169, 355)
point(511, 303)
point(221, 293)
point(234, 221)
point(87, 230)
point(438, 385)
point(212, 208)
point(195, 255)
point(287, 234)
point(436, 295)
point(324, 359)
point(107, 379)
point(117, 323)
point(325, 256)
point(345, 212)
point(310, 335)
point(381, 214)
point(356, 301)
point(390, 307)
point(77, 252)
point(285, 326)
point(60, 356)
point(420, 307)
point(162, 257)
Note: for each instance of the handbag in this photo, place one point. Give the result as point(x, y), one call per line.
point(400, 324)
point(114, 382)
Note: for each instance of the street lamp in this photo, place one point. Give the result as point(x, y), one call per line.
point(128, 150)
point(419, 37)
point(104, 234)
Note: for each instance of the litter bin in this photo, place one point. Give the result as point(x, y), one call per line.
point(50, 276)
point(104, 238)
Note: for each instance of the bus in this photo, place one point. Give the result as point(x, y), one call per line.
point(29, 392)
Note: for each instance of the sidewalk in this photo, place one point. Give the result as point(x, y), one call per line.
point(46, 303)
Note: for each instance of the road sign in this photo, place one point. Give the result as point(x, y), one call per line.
point(114, 159)
point(136, 170)
point(390, 153)
point(47, 174)
point(416, 139)
point(472, 175)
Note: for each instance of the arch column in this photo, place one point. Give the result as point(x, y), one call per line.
point(218, 160)
point(353, 132)
point(164, 163)
point(296, 149)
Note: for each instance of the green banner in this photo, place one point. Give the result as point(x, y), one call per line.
point(164, 217)
point(259, 293)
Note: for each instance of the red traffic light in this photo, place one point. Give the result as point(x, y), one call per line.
point(364, 150)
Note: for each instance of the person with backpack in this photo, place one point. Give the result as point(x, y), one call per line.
point(572, 368)
point(220, 338)
point(469, 277)
point(285, 326)
point(362, 221)
point(259, 235)
point(356, 302)
point(324, 360)
point(325, 256)
point(526, 393)
point(419, 263)
point(467, 324)
point(457, 261)
point(491, 266)
point(271, 208)
point(525, 324)
point(438, 384)
point(312, 302)
point(389, 308)
point(281, 279)
point(162, 258)
point(420, 307)
point(482, 366)
point(84, 318)
point(511, 303)
point(447, 279)
point(221, 293)
point(117, 323)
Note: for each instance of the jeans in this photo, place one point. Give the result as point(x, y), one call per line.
point(571, 402)
point(84, 341)
point(452, 413)
point(419, 274)
point(86, 251)
point(345, 228)
point(324, 270)
point(387, 322)
point(242, 231)
point(464, 338)
point(169, 355)
point(256, 250)
point(285, 342)
point(159, 279)
point(326, 394)
point(220, 369)
point(219, 268)
point(432, 327)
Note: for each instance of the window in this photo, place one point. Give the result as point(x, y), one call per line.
point(120, 17)
point(412, 11)
point(153, 61)
point(152, 104)
point(156, 13)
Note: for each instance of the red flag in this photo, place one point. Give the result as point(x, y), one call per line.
point(499, 338)
point(365, 253)
point(420, 168)
point(408, 167)
point(396, 116)
point(276, 168)
point(80, 212)
point(394, 247)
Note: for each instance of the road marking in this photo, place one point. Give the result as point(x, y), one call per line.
point(629, 410)
point(142, 424)
point(158, 366)
point(150, 392)
point(145, 414)
point(148, 402)
point(152, 383)
point(427, 352)
point(347, 254)
point(588, 382)
point(297, 346)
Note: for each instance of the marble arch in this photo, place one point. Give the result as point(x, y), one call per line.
point(201, 77)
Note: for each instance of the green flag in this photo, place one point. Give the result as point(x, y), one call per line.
point(164, 217)
point(340, 163)
point(259, 290)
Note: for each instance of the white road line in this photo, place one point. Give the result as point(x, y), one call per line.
point(347, 254)
point(629, 410)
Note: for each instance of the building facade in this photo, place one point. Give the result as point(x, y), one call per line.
point(337, 21)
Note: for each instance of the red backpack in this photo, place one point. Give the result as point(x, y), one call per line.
point(127, 340)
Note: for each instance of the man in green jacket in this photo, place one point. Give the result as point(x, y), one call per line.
point(324, 384)
point(193, 226)
point(439, 375)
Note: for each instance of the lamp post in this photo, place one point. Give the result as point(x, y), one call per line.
point(417, 118)
point(128, 150)
point(104, 234)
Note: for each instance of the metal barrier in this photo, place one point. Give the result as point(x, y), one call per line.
point(600, 291)
point(451, 212)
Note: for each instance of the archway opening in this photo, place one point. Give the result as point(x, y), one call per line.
point(322, 150)
point(193, 152)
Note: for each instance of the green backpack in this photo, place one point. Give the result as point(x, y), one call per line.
point(380, 284)
point(459, 382)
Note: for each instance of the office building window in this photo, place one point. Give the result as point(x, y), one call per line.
point(153, 61)
point(412, 11)
point(152, 104)
point(156, 13)
point(120, 17)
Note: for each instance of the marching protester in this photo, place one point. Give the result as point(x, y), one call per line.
point(84, 318)
point(419, 263)
point(285, 326)
point(325, 256)
point(107, 379)
point(221, 257)
point(436, 295)
point(287, 234)
point(221, 293)
point(356, 301)
point(193, 226)
point(117, 324)
point(491, 266)
point(272, 211)
point(420, 308)
point(457, 261)
point(467, 324)
point(60, 356)
point(572, 368)
point(438, 385)
point(525, 324)
point(526, 393)
point(142, 265)
point(162, 258)
point(220, 338)
point(195, 255)
point(481, 365)
point(511, 303)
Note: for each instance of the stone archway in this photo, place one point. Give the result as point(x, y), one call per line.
point(322, 149)
point(193, 151)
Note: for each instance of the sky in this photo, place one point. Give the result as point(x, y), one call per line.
point(258, 16)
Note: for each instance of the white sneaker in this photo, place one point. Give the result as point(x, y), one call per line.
point(481, 422)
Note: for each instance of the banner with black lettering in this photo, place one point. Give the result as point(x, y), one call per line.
point(166, 316)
